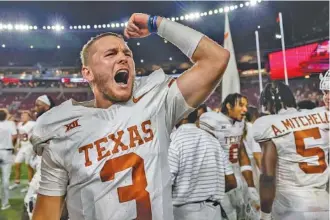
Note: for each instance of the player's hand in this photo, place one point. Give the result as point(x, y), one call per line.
point(254, 196)
point(137, 26)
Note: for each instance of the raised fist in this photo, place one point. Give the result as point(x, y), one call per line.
point(137, 26)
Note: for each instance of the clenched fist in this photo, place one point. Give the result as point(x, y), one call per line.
point(137, 26)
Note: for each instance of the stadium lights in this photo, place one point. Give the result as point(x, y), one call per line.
point(58, 47)
point(170, 58)
point(278, 36)
point(3, 45)
point(31, 46)
point(138, 43)
point(191, 16)
point(142, 61)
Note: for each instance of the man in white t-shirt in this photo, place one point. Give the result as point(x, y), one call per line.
point(8, 134)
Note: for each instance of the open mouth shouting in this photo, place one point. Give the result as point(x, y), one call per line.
point(122, 77)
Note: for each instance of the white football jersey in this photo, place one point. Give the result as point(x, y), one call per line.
point(7, 129)
point(230, 138)
point(112, 163)
point(302, 144)
point(250, 144)
point(25, 132)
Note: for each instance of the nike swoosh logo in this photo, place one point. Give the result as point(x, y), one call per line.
point(136, 100)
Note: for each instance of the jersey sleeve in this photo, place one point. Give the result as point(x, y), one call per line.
point(262, 130)
point(54, 178)
point(175, 104)
point(255, 146)
point(228, 167)
point(13, 129)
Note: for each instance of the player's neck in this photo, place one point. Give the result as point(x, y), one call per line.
point(100, 102)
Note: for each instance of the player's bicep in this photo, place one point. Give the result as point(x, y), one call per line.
point(176, 106)
point(48, 207)
point(269, 158)
point(54, 179)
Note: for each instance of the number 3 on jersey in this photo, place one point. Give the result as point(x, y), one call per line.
point(136, 191)
point(309, 152)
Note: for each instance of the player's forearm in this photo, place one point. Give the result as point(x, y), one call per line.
point(245, 164)
point(191, 42)
point(248, 176)
point(267, 192)
point(257, 158)
point(209, 57)
point(230, 182)
point(48, 207)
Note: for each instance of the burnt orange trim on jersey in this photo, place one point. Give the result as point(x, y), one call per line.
point(171, 82)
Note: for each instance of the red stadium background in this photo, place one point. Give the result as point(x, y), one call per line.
point(301, 61)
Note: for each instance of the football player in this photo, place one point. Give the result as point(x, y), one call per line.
point(230, 135)
point(8, 134)
point(25, 152)
point(42, 104)
point(295, 148)
point(109, 156)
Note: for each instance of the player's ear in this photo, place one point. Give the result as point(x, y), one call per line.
point(87, 73)
point(228, 106)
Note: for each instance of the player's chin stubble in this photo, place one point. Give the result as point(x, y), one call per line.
point(113, 98)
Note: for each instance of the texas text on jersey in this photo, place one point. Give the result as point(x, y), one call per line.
point(231, 137)
point(105, 162)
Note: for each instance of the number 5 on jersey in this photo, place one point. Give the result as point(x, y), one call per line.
point(309, 152)
point(136, 191)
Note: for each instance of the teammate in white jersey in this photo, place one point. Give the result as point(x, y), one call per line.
point(42, 104)
point(230, 135)
point(295, 148)
point(110, 159)
point(25, 152)
point(8, 134)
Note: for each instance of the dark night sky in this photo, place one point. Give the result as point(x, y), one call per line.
point(304, 21)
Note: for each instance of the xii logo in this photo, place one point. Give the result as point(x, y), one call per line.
point(72, 125)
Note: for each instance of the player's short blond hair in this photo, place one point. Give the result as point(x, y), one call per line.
point(84, 53)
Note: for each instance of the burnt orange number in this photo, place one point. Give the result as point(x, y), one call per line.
point(136, 191)
point(233, 153)
point(315, 151)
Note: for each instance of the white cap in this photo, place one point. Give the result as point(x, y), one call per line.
point(44, 99)
point(325, 81)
